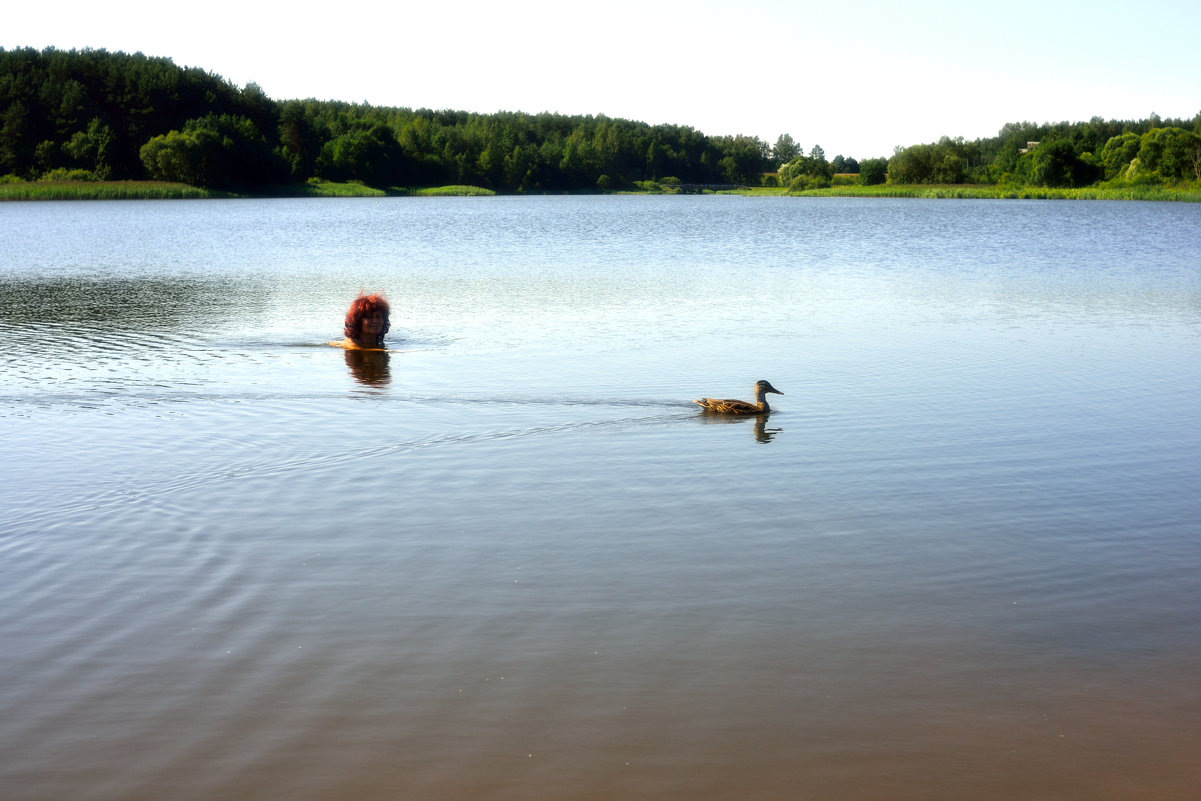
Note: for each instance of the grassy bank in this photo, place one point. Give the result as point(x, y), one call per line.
point(1188, 194)
point(157, 190)
point(103, 190)
point(1184, 194)
point(316, 188)
point(451, 191)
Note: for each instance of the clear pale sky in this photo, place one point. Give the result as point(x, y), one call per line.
point(857, 77)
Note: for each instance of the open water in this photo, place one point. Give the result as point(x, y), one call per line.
point(509, 559)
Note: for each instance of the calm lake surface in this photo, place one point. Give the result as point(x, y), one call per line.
point(511, 560)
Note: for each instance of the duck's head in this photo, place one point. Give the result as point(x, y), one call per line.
point(765, 387)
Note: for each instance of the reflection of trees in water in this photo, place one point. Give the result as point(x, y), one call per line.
point(761, 431)
point(129, 304)
point(369, 367)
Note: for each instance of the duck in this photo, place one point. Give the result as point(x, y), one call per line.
point(719, 406)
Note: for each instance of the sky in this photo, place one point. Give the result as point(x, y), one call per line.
point(857, 77)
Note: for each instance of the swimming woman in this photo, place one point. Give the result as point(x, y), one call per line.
point(366, 323)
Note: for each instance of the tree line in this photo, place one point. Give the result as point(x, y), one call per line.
point(1140, 152)
point(93, 114)
point(1149, 151)
point(105, 115)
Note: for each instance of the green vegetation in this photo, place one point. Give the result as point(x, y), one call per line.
point(1145, 153)
point(52, 189)
point(120, 117)
point(317, 188)
point(755, 191)
point(873, 171)
point(1148, 159)
point(451, 191)
point(85, 123)
point(1113, 191)
point(102, 190)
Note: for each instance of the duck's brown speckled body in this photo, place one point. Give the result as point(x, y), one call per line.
point(723, 406)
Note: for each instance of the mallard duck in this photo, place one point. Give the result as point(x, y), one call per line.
point(719, 406)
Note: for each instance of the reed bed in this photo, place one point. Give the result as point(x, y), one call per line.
point(160, 190)
point(940, 191)
point(317, 188)
point(454, 190)
point(103, 190)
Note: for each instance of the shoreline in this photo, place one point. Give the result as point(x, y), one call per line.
point(159, 190)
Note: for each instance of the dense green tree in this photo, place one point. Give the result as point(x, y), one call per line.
point(911, 165)
point(744, 159)
point(807, 172)
point(873, 171)
point(578, 162)
point(520, 168)
point(370, 155)
point(16, 140)
point(299, 139)
point(948, 161)
point(93, 148)
point(46, 155)
point(840, 164)
point(223, 151)
point(243, 157)
point(1057, 164)
point(1118, 152)
point(948, 168)
point(178, 156)
point(818, 155)
point(785, 150)
point(1172, 153)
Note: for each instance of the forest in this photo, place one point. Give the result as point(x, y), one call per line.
point(94, 115)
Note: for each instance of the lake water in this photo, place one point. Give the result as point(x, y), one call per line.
point(511, 560)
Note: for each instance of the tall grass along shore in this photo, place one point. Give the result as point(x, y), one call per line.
point(161, 190)
point(974, 191)
point(103, 190)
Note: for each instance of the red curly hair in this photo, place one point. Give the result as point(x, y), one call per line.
point(365, 306)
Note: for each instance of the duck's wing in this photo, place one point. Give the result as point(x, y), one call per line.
point(727, 406)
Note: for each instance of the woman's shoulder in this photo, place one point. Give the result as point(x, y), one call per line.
point(349, 344)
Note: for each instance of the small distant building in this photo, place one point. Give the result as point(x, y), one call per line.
point(1029, 146)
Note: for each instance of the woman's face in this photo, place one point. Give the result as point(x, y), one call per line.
point(373, 324)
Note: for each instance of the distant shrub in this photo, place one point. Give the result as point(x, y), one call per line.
point(64, 174)
point(803, 183)
point(873, 171)
point(454, 190)
point(315, 187)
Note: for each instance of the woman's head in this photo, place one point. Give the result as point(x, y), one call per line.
point(367, 320)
